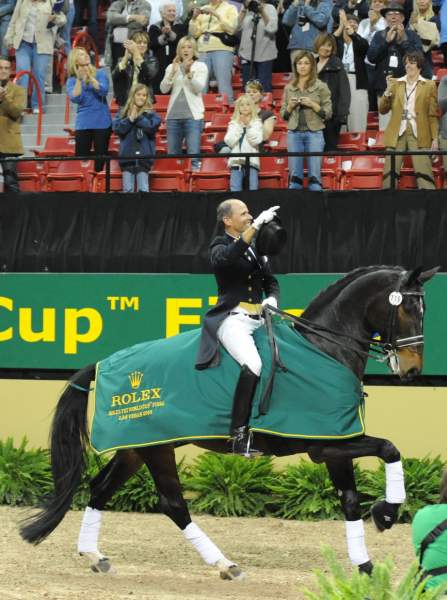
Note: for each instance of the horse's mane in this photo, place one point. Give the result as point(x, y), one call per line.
point(333, 290)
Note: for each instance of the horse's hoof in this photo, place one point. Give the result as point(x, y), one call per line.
point(230, 571)
point(366, 568)
point(384, 514)
point(98, 562)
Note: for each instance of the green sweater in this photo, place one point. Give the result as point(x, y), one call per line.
point(435, 555)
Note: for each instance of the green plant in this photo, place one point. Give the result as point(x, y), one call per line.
point(304, 491)
point(25, 475)
point(229, 485)
point(356, 586)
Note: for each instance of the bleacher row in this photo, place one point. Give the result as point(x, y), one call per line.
point(167, 175)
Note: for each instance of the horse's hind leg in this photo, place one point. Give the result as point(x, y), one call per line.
point(102, 487)
point(160, 461)
point(341, 472)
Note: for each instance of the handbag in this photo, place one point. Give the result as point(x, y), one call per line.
point(428, 32)
point(226, 38)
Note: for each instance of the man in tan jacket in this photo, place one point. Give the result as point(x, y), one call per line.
point(414, 122)
point(12, 103)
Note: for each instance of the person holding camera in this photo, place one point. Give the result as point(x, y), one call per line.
point(136, 125)
point(306, 107)
point(258, 22)
point(88, 88)
point(214, 26)
point(28, 33)
point(307, 18)
point(138, 65)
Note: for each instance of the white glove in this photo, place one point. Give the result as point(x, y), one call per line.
point(265, 217)
point(271, 300)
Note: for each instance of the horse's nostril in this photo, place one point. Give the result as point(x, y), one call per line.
point(411, 374)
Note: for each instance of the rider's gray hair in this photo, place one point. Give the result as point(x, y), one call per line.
point(225, 209)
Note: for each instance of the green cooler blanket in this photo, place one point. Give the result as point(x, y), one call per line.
point(151, 393)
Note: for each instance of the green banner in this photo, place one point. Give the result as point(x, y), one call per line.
point(65, 321)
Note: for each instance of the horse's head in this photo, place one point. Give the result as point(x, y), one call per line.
point(402, 312)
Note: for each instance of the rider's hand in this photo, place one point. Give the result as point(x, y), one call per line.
point(271, 300)
point(265, 217)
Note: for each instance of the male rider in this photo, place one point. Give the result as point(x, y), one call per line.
point(243, 277)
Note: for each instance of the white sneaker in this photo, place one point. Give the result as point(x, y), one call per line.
point(36, 111)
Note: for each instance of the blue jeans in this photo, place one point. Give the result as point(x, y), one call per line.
point(66, 29)
point(4, 24)
point(28, 59)
point(129, 181)
point(262, 71)
point(237, 179)
point(92, 11)
point(305, 141)
point(190, 130)
point(220, 66)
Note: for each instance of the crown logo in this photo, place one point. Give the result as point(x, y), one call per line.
point(135, 378)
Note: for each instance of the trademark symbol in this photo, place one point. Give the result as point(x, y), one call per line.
point(124, 302)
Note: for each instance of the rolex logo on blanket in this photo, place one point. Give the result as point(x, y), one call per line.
point(151, 393)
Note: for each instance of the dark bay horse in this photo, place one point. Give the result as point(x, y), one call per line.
point(368, 301)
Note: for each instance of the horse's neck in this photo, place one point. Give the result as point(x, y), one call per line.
point(345, 314)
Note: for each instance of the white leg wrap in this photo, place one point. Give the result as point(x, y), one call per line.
point(202, 543)
point(89, 534)
point(395, 484)
point(355, 535)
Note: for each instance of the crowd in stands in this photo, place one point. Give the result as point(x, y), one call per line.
point(346, 60)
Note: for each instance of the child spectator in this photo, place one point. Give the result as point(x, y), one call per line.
point(244, 134)
point(255, 90)
point(136, 125)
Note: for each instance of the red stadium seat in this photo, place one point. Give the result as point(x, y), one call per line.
point(331, 172)
point(57, 146)
point(273, 172)
point(437, 58)
point(69, 176)
point(218, 122)
point(277, 142)
point(441, 73)
point(376, 142)
point(280, 80)
point(116, 179)
point(214, 175)
point(372, 120)
point(349, 140)
point(215, 102)
point(31, 176)
point(362, 173)
point(170, 175)
point(161, 103)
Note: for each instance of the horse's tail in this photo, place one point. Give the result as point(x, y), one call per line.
point(69, 438)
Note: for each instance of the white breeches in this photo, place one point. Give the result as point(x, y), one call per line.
point(236, 336)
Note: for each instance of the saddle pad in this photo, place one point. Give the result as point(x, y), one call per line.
point(151, 393)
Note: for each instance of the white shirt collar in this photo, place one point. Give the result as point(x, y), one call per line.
point(404, 78)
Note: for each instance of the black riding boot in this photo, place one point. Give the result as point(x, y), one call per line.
point(241, 436)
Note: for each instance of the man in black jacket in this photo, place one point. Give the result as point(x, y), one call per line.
point(242, 277)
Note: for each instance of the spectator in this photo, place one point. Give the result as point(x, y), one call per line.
point(430, 525)
point(66, 29)
point(88, 88)
point(244, 134)
point(255, 90)
point(352, 49)
point(124, 18)
point(282, 62)
point(443, 22)
point(12, 103)
point(426, 24)
point(258, 22)
point(187, 78)
point(6, 10)
point(359, 8)
point(442, 101)
point(307, 18)
point(214, 25)
point(388, 48)
point(331, 71)
point(414, 121)
point(164, 36)
point(156, 6)
point(138, 65)
point(31, 35)
point(136, 125)
point(92, 17)
point(367, 28)
point(306, 106)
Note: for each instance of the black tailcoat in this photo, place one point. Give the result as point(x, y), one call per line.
point(242, 276)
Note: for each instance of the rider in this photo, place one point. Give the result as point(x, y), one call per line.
point(242, 276)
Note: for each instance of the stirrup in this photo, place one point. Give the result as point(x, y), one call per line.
point(241, 443)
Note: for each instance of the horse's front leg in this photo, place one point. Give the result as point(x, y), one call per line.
point(385, 512)
point(341, 472)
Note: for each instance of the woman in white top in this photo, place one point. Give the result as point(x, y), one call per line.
point(186, 78)
point(244, 134)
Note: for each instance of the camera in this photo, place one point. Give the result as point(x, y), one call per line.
point(302, 20)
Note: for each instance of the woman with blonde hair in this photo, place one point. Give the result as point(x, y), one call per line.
point(136, 125)
point(244, 134)
point(88, 88)
point(306, 107)
point(427, 25)
point(31, 34)
point(186, 78)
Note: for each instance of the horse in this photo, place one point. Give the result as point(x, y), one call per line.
point(342, 321)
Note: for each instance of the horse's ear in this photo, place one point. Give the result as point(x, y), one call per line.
point(419, 276)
